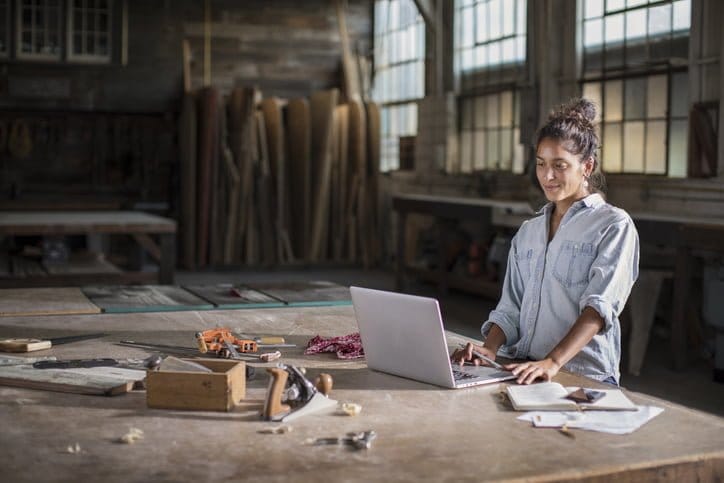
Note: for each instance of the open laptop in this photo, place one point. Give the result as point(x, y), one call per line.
point(403, 335)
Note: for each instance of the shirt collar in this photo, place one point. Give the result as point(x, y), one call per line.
point(590, 201)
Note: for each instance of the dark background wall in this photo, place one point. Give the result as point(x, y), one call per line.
point(107, 132)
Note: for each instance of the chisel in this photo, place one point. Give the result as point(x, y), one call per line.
point(30, 345)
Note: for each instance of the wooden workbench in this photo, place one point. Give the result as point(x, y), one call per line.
point(138, 225)
point(425, 433)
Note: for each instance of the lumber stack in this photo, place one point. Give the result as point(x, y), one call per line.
point(268, 181)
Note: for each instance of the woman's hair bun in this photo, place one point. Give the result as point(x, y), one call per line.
point(579, 109)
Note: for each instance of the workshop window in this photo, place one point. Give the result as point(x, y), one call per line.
point(399, 82)
point(634, 66)
point(490, 133)
point(489, 33)
point(490, 58)
point(38, 29)
point(89, 30)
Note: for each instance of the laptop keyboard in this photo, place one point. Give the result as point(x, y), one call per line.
point(461, 376)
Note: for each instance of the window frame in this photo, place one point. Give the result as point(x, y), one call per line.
point(86, 58)
point(32, 56)
point(482, 82)
point(385, 102)
point(596, 68)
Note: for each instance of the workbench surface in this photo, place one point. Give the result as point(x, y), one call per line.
point(424, 432)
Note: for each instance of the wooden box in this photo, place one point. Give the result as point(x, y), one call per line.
point(219, 390)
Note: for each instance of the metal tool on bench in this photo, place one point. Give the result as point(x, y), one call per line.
point(175, 349)
point(291, 395)
point(360, 440)
point(151, 363)
point(30, 345)
point(224, 344)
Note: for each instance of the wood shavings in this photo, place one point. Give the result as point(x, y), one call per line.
point(351, 409)
point(283, 429)
point(133, 435)
point(73, 448)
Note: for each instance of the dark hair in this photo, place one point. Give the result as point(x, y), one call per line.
point(572, 124)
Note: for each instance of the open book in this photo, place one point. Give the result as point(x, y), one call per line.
point(551, 396)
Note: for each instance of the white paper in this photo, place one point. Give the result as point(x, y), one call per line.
point(614, 422)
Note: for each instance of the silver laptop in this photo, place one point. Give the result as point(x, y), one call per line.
point(403, 335)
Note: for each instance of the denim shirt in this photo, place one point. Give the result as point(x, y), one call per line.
point(591, 261)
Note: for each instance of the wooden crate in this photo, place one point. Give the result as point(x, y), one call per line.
point(220, 390)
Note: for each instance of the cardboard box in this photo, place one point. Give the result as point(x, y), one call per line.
point(219, 390)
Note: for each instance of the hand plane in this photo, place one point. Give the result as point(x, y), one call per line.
point(291, 395)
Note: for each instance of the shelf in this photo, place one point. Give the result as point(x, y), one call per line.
point(473, 285)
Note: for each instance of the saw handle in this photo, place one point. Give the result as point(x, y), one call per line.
point(23, 345)
point(273, 407)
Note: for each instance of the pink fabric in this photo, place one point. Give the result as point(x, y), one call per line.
point(346, 346)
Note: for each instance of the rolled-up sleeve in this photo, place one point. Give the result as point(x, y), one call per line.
point(613, 272)
point(507, 313)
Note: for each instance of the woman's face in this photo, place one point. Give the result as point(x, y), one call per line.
point(560, 173)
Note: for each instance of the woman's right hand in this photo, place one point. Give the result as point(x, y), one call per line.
point(466, 354)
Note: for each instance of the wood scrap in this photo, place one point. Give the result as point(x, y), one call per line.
point(242, 140)
point(343, 181)
point(208, 146)
point(97, 381)
point(358, 162)
point(373, 171)
point(322, 111)
point(272, 108)
point(265, 189)
point(299, 156)
point(187, 160)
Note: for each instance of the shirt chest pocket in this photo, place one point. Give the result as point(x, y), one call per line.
point(523, 258)
point(573, 263)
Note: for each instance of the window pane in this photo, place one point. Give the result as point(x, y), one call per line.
point(593, 8)
point(493, 142)
point(682, 15)
point(593, 32)
point(633, 147)
point(635, 98)
point(481, 22)
point(466, 161)
point(479, 150)
point(679, 94)
point(614, 28)
point(492, 118)
point(656, 147)
point(613, 5)
point(506, 109)
point(659, 20)
point(506, 149)
point(677, 149)
point(612, 148)
point(480, 112)
point(636, 24)
point(495, 19)
point(467, 114)
point(613, 100)
point(656, 97)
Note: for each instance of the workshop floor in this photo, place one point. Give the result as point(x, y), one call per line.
point(463, 313)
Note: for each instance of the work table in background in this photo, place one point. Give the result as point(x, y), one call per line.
point(424, 432)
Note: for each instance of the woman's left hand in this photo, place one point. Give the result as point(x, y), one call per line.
point(528, 372)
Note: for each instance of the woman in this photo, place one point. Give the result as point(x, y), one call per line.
point(570, 270)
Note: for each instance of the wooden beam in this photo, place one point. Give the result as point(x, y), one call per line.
point(427, 10)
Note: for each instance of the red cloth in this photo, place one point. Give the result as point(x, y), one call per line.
point(346, 346)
